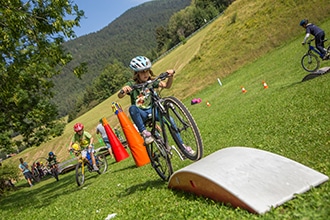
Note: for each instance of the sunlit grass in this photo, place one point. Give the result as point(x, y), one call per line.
point(290, 118)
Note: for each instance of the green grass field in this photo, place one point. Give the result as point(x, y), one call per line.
point(290, 118)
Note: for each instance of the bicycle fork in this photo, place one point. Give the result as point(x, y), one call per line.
point(182, 157)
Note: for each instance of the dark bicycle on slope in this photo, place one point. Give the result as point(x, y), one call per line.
point(311, 59)
point(173, 129)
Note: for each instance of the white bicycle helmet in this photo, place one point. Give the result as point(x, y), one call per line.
point(140, 63)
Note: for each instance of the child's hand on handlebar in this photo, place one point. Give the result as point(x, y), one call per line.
point(170, 72)
point(125, 90)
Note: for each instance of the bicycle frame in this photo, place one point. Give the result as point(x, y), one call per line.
point(82, 161)
point(312, 48)
point(164, 120)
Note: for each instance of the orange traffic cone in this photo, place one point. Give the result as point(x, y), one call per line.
point(208, 104)
point(265, 85)
point(243, 89)
point(134, 140)
point(117, 148)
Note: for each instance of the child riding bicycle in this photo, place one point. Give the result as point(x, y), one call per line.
point(52, 160)
point(140, 103)
point(84, 140)
point(318, 33)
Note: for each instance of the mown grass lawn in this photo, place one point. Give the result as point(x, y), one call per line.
point(290, 118)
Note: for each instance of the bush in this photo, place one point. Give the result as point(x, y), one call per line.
point(8, 173)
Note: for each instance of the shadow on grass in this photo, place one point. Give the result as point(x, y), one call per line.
point(180, 194)
point(126, 168)
point(143, 186)
point(44, 192)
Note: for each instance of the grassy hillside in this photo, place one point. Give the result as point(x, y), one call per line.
point(259, 27)
point(220, 49)
point(289, 118)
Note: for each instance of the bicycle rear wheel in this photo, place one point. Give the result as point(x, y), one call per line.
point(310, 62)
point(159, 159)
point(184, 129)
point(80, 176)
point(102, 163)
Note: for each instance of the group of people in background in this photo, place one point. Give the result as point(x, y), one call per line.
point(28, 172)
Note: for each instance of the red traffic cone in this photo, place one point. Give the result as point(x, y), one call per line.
point(208, 104)
point(265, 85)
point(117, 148)
point(243, 89)
point(134, 140)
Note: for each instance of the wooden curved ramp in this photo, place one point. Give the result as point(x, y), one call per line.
point(248, 178)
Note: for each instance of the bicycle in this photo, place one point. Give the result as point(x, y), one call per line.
point(86, 162)
point(41, 167)
point(170, 122)
point(53, 170)
point(310, 61)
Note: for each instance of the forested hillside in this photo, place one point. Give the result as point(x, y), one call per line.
point(131, 34)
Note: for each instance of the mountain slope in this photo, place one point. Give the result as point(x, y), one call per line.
point(131, 34)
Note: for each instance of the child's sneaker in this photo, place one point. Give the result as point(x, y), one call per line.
point(191, 151)
point(147, 137)
point(95, 167)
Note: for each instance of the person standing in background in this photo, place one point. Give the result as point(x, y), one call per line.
point(100, 130)
point(24, 168)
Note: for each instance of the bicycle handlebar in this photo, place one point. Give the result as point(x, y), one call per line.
point(310, 41)
point(161, 76)
point(76, 152)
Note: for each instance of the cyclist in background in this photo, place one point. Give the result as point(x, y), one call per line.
point(52, 160)
point(140, 104)
point(84, 140)
point(318, 33)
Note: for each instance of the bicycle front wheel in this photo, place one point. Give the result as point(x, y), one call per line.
point(55, 173)
point(102, 163)
point(310, 62)
point(35, 175)
point(80, 174)
point(159, 159)
point(184, 129)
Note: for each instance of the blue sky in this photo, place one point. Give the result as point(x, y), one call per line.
point(100, 13)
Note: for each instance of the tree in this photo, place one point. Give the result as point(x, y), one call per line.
point(31, 36)
point(161, 38)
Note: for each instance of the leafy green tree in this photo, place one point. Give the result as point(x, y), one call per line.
point(161, 38)
point(31, 37)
